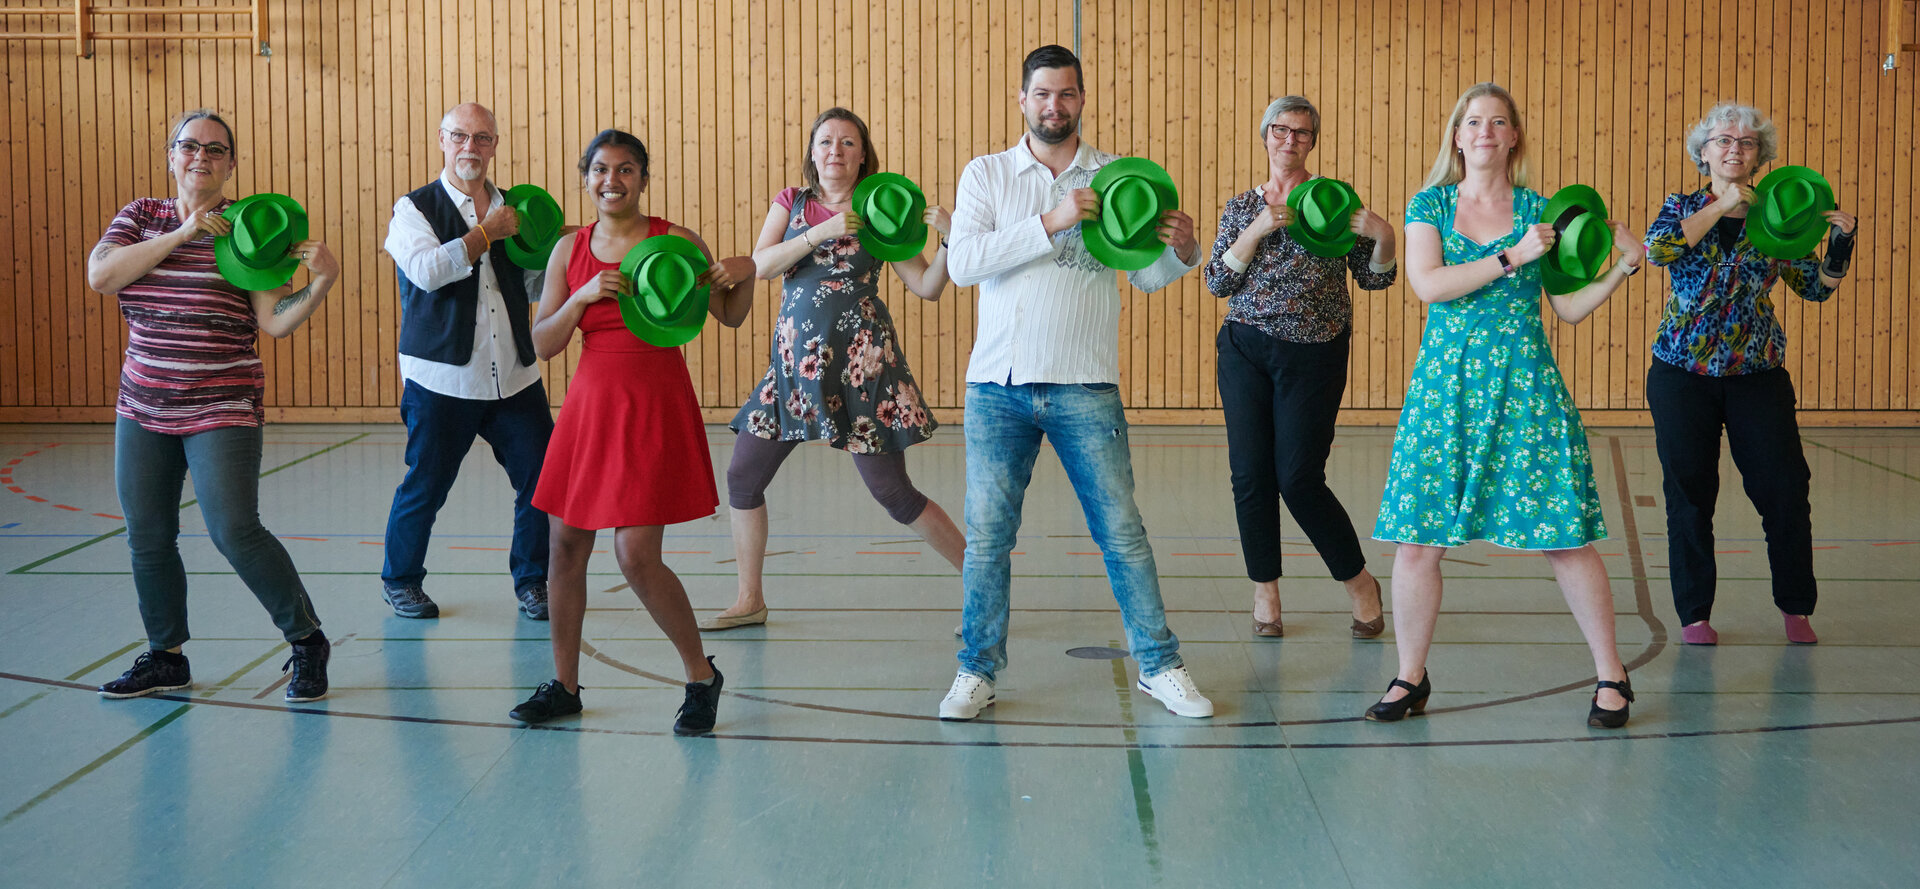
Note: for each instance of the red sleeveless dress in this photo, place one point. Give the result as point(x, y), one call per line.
point(629, 447)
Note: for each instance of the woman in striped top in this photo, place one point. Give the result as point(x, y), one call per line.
point(190, 399)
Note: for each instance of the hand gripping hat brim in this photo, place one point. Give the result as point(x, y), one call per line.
point(1134, 193)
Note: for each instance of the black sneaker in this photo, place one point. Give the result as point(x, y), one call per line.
point(533, 599)
point(701, 707)
point(550, 701)
point(410, 601)
point(309, 665)
point(153, 671)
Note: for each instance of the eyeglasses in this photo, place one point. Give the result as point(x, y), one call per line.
point(1284, 133)
point(212, 151)
point(1725, 142)
point(479, 140)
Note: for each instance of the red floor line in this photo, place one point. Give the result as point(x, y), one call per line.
point(36, 499)
point(68, 508)
point(1899, 543)
point(291, 537)
point(108, 515)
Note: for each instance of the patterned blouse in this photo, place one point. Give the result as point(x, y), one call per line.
point(191, 364)
point(1286, 292)
point(1719, 321)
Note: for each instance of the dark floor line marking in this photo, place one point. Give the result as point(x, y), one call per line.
point(1276, 745)
point(122, 529)
point(1915, 478)
point(106, 660)
point(105, 758)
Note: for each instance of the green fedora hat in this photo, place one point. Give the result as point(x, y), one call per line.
point(665, 308)
point(254, 256)
point(1788, 216)
point(1583, 243)
point(540, 222)
point(1323, 216)
point(1134, 193)
point(893, 210)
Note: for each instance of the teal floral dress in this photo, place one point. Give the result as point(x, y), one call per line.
point(1490, 446)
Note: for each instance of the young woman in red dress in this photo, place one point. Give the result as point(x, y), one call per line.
point(629, 451)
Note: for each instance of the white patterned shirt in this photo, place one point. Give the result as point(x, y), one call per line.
point(1049, 312)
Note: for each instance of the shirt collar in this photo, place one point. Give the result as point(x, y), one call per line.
point(1023, 154)
point(460, 198)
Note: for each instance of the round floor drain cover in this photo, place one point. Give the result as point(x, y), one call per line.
point(1097, 653)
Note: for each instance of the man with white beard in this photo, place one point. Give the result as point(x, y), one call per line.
point(466, 353)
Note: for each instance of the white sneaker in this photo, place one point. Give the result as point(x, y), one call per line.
point(969, 695)
point(1175, 689)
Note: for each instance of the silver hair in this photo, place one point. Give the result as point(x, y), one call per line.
point(1288, 105)
point(1745, 116)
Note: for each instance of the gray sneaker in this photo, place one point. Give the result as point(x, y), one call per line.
point(410, 601)
point(533, 599)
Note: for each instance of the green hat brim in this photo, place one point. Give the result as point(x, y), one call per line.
point(1121, 257)
point(685, 316)
point(1323, 244)
point(912, 241)
point(520, 251)
point(1564, 203)
point(247, 276)
point(1789, 245)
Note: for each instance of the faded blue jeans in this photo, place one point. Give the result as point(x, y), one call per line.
point(150, 470)
point(1088, 429)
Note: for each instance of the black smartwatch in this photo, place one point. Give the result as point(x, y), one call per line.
point(1510, 271)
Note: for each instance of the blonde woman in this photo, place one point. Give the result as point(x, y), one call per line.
point(1490, 446)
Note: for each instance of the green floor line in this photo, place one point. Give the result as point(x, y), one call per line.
point(1911, 478)
point(105, 660)
point(87, 769)
point(17, 707)
point(220, 686)
point(123, 529)
point(1136, 767)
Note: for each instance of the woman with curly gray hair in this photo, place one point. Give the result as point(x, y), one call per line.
point(1717, 363)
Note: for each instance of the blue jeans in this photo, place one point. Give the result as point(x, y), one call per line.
point(149, 469)
point(440, 431)
point(1089, 432)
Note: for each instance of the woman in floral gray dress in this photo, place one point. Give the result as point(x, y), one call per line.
point(837, 374)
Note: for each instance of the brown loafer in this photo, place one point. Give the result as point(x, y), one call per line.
point(1369, 629)
point(1270, 629)
point(730, 621)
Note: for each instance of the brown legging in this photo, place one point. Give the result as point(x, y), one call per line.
point(756, 460)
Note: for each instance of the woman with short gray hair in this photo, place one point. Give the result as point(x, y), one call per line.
point(1283, 359)
point(1718, 363)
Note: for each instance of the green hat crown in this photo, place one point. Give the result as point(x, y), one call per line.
point(1323, 216)
point(668, 304)
point(1792, 205)
point(893, 209)
point(1583, 248)
point(1579, 254)
point(540, 222)
point(263, 234)
point(1130, 211)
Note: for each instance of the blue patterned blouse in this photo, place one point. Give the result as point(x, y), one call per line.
point(1719, 320)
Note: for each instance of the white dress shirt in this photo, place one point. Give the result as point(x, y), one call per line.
point(494, 370)
point(1049, 312)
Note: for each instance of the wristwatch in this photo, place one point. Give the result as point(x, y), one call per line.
point(1510, 271)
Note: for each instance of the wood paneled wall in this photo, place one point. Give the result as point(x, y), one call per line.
point(342, 116)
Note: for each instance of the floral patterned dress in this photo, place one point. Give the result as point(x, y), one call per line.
point(1490, 446)
point(836, 371)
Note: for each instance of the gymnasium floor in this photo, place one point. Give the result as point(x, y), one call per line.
point(1752, 764)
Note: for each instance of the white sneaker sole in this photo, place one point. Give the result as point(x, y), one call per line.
point(143, 693)
point(1169, 704)
point(961, 715)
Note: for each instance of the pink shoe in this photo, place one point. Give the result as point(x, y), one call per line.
point(1799, 630)
point(1700, 634)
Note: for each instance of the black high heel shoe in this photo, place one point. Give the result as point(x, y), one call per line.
point(1600, 717)
point(1415, 702)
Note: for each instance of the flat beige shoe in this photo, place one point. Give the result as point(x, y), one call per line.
point(729, 621)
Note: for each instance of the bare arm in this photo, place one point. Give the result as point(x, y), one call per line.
point(730, 282)
point(558, 313)
point(111, 267)
point(772, 257)
point(1434, 281)
point(280, 311)
point(927, 279)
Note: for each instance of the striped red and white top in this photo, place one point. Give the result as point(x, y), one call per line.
point(191, 364)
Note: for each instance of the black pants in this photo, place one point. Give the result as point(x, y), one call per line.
point(1281, 400)
point(1689, 410)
